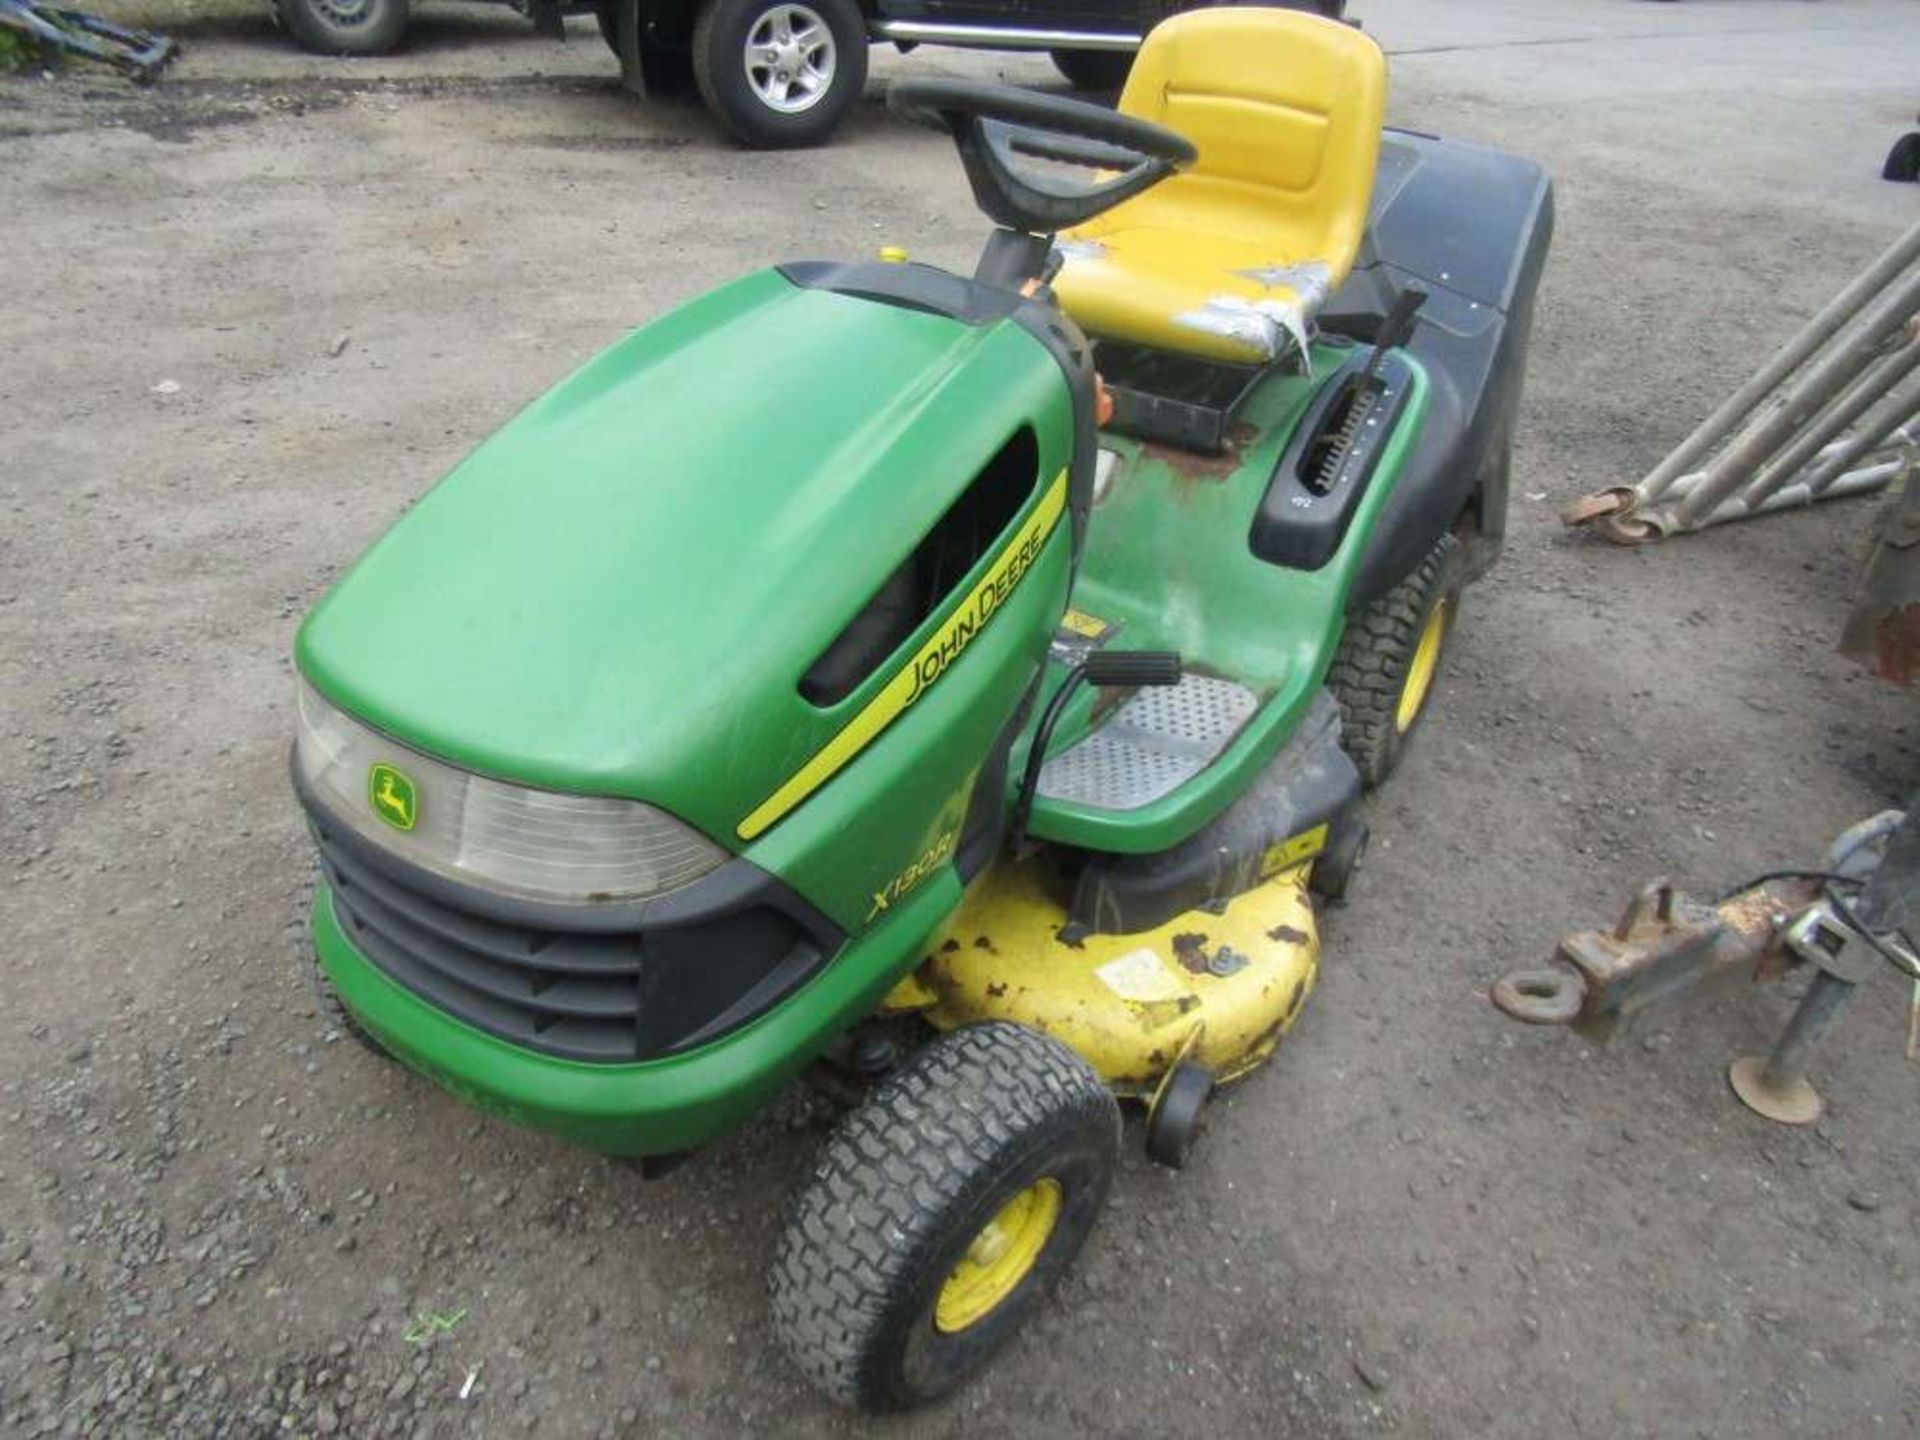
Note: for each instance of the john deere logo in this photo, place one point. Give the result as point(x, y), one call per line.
point(392, 796)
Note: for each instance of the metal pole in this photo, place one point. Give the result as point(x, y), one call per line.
point(1777, 1087)
point(1766, 433)
point(1908, 436)
point(1797, 497)
point(1811, 441)
point(1870, 435)
point(1811, 336)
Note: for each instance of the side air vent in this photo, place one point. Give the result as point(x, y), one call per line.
point(927, 578)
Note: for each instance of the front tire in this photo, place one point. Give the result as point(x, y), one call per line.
point(1389, 659)
point(345, 27)
point(780, 74)
point(1104, 72)
point(939, 1214)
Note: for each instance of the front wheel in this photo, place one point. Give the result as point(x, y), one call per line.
point(941, 1211)
point(780, 73)
point(1101, 71)
point(345, 27)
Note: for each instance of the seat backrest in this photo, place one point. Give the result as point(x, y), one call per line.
point(1285, 109)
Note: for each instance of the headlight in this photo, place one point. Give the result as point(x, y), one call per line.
point(534, 844)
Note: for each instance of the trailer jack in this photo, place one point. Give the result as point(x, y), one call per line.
point(1841, 919)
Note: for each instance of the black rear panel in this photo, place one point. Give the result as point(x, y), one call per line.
point(1471, 226)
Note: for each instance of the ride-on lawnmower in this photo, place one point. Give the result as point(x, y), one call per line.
point(861, 665)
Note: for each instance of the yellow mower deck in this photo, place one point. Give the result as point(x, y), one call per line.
point(1219, 990)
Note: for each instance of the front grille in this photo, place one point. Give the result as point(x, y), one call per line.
point(573, 995)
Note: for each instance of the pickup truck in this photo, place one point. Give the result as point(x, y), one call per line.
point(783, 73)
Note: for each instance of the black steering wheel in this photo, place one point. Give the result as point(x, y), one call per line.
point(993, 124)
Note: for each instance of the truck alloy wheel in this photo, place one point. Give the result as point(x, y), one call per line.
point(780, 73)
point(345, 27)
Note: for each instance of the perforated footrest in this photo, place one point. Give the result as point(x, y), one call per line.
point(1157, 740)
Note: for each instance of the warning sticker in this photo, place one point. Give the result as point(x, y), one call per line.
point(1142, 977)
point(1293, 851)
point(1078, 636)
point(1090, 627)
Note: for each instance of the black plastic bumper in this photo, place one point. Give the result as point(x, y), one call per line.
point(612, 984)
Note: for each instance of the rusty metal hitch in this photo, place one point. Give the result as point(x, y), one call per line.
point(1667, 944)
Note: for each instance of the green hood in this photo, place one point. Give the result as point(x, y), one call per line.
point(619, 591)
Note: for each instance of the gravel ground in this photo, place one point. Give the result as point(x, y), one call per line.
point(257, 310)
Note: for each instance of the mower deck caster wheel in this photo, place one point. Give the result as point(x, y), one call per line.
point(1173, 1120)
point(1335, 868)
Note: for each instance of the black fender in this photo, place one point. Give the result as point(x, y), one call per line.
point(627, 27)
point(1471, 226)
point(667, 24)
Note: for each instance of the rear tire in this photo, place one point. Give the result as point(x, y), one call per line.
point(768, 107)
point(345, 27)
point(940, 1213)
point(1383, 674)
point(1102, 71)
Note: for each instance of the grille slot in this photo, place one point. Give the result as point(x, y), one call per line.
point(572, 995)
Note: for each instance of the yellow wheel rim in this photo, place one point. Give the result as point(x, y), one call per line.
point(1000, 1257)
point(1426, 657)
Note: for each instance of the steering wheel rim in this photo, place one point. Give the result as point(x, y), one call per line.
point(933, 101)
point(990, 124)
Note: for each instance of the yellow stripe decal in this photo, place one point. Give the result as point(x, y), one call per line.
point(928, 664)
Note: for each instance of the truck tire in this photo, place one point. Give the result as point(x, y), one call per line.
point(780, 74)
point(940, 1213)
point(344, 27)
point(1102, 71)
point(1384, 670)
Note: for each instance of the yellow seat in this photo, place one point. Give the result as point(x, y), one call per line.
point(1232, 258)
